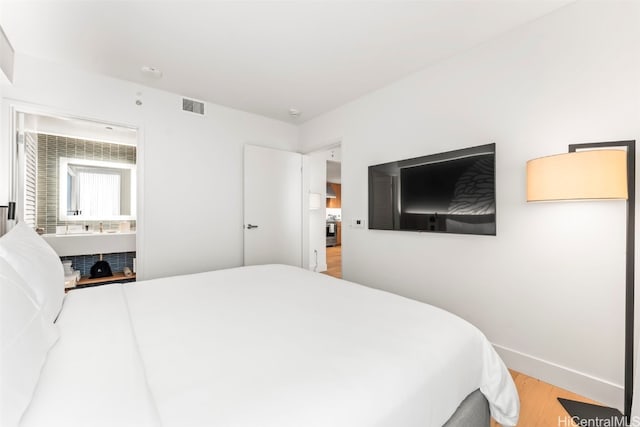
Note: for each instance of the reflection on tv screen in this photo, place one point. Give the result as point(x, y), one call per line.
point(452, 192)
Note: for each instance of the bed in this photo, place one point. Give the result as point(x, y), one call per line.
point(268, 346)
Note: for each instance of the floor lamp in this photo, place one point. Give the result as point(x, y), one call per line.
point(602, 170)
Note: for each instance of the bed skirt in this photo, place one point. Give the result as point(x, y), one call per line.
point(473, 411)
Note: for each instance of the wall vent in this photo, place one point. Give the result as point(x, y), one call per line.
point(193, 106)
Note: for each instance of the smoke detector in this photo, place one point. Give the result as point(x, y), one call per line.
point(152, 72)
point(294, 112)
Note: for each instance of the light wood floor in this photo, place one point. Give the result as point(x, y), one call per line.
point(539, 406)
point(334, 261)
point(538, 402)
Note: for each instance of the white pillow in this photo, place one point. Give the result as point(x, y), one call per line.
point(38, 264)
point(25, 338)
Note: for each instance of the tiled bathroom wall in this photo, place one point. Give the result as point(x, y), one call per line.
point(117, 261)
point(50, 149)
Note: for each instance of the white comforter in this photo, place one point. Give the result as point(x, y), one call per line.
point(264, 346)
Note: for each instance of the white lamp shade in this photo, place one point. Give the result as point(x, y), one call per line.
point(594, 174)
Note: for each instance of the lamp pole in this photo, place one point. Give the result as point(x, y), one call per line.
point(630, 261)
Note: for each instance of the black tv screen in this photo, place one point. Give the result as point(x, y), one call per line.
point(452, 192)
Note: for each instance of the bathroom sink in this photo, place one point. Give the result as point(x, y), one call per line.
point(85, 233)
point(90, 242)
point(73, 233)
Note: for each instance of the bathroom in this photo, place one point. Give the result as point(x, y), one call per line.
point(79, 191)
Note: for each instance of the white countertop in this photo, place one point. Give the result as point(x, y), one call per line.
point(91, 243)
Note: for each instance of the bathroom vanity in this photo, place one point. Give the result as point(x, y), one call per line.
point(82, 249)
point(119, 277)
point(91, 243)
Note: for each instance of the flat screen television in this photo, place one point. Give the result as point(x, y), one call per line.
point(451, 192)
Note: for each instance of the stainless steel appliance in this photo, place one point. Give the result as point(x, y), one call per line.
point(332, 233)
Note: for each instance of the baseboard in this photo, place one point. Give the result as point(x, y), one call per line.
point(600, 390)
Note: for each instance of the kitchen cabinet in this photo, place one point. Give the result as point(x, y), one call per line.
point(338, 233)
point(335, 203)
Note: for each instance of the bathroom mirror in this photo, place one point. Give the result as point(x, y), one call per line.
point(96, 190)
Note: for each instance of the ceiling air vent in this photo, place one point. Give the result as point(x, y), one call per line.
point(193, 106)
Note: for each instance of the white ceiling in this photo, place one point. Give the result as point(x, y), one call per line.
point(263, 57)
point(83, 129)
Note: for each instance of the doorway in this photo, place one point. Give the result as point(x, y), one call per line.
point(76, 185)
point(324, 224)
point(334, 213)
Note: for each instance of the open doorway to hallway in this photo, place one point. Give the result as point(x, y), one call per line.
point(334, 213)
point(325, 237)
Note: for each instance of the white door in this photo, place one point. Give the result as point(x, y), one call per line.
point(272, 206)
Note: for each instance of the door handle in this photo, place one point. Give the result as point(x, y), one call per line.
point(250, 226)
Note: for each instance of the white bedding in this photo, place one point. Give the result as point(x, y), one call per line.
point(264, 346)
point(93, 376)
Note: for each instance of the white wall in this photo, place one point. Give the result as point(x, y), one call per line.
point(317, 170)
point(190, 166)
point(548, 289)
point(7, 56)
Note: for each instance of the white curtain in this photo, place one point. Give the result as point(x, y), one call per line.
point(98, 193)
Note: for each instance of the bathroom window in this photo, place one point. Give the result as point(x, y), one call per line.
point(93, 192)
point(96, 190)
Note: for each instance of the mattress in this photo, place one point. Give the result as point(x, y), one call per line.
point(262, 346)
